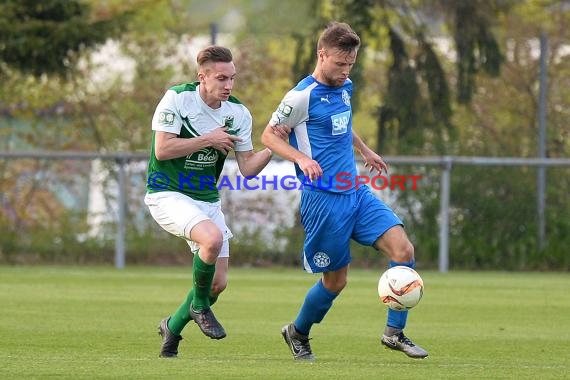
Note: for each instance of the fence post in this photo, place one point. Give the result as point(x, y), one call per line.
point(444, 215)
point(121, 207)
point(541, 175)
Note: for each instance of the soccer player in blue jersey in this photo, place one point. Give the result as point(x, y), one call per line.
point(335, 209)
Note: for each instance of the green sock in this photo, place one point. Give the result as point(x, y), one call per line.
point(181, 318)
point(203, 276)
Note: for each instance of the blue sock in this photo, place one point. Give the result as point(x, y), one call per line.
point(317, 303)
point(397, 319)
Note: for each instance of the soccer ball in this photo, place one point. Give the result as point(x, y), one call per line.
point(400, 288)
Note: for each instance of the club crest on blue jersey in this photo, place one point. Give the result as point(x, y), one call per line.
point(346, 97)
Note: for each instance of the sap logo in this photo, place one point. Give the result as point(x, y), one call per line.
point(340, 123)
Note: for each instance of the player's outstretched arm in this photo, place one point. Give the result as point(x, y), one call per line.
point(271, 139)
point(250, 163)
point(372, 160)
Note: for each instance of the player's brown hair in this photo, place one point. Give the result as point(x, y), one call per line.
point(214, 54)
point(339, 35)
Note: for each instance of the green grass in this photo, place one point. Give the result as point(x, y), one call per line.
point(87, 323)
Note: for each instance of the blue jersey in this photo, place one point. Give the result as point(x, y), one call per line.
point(321, 120)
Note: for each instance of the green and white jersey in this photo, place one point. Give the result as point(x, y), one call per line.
point(183, 112)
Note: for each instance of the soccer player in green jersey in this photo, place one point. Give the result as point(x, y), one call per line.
point(195, 126)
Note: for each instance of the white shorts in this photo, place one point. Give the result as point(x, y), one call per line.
point(178, 214)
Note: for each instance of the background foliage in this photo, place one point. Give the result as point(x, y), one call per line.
point(433, 77)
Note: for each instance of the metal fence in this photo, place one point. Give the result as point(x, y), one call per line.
point(128, 185)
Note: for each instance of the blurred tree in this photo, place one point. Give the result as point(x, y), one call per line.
point(417, 99)
point(502, 120)
point(38, 37)
point(477, 47)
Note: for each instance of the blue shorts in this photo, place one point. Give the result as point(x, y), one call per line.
point(330, 220)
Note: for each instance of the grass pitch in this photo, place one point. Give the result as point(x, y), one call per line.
point(95, 323)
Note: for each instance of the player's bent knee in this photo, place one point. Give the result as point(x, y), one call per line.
point(405, 253)
point(212, 244)
point(335, 285)
point(208, 237)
